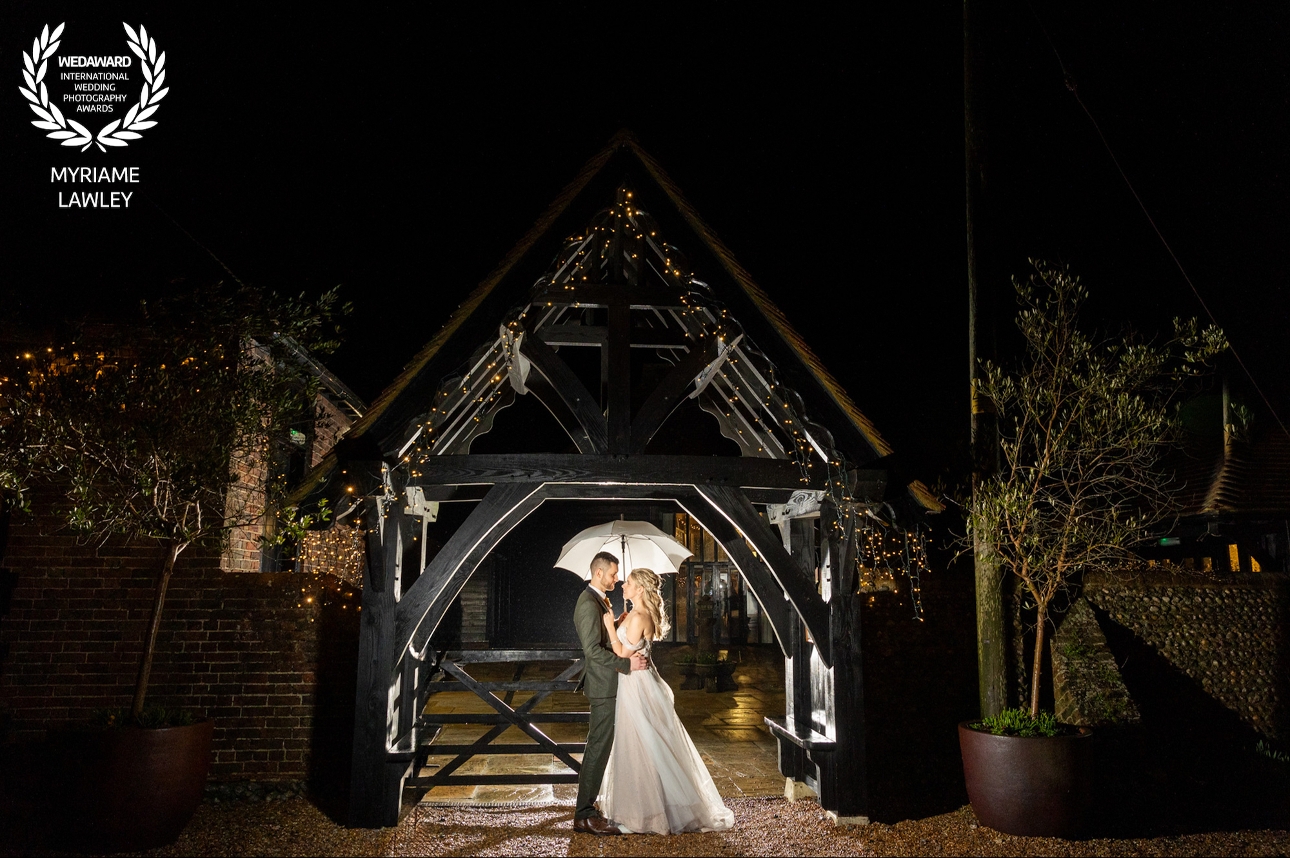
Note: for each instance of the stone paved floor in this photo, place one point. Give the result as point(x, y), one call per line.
point(726, 727)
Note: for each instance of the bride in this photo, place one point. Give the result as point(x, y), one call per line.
point(655, 781)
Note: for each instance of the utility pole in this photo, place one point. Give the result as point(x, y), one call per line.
point(990, 639)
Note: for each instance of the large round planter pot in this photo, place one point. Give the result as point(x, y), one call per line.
point(1033, 787)
point(144, 784)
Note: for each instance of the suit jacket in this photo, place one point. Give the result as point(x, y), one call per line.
point(600, 676)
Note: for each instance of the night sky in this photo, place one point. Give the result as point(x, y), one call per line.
point(400, 151)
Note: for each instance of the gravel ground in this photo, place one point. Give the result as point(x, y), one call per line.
point(762, 827)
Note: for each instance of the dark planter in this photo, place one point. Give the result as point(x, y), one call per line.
point(724, 679)
point(144, 784)
point(690, 680)
point(1032, 787)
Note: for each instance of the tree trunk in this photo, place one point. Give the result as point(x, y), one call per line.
point(1041, 622)
point(154, 624)
point(991, 643)
point(991, 656)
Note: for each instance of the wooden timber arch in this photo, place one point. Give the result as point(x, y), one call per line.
point(667, 342)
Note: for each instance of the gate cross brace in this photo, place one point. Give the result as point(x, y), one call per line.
point(544, 741)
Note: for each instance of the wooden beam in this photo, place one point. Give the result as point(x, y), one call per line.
point(597, 335)
point(493, 718)
point(437, 750)
point(619, 395)
point(571, 391)
point(573, 335)
point(524, 709)
point(493, 656)
point(477, 469)
point(573, 425)
point(761, 580)
point(483, 780)
point(844, 774)
point(663, 401)
point(604, 294)
point(458, 494)
point(426, 601)
point(796, 582)
point(520, 721)
point(375, 781)
point(758, 576)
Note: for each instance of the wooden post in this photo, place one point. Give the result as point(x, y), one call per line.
point(845, 769)
point(991, 654)
point(376, 784)
point(844, 784)
point(797, 668)
point(797, 701)
point(619, 395)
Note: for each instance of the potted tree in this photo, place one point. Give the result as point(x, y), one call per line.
point(1085, 426)
point(161, 430)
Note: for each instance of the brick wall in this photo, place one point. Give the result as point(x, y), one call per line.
point(245, 503)
point(919, 682)
point(330, 425)
point(270, 657)
point(247, 496)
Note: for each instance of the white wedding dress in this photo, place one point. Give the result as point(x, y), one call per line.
point(655, 781)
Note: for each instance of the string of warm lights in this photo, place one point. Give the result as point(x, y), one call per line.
point(760, 412)
point(340, 551)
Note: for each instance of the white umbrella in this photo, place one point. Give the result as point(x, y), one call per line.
point(636, 544)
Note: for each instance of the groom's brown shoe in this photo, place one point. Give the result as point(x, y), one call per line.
point(595, 825)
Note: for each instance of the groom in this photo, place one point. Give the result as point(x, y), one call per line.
point(600, 684)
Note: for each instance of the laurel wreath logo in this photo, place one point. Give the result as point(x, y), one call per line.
point(118, 132)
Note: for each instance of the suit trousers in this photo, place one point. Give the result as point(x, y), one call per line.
point(600, 740)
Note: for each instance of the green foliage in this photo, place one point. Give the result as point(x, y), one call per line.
point(1265, 750)
point(164, 426)
point(292, 525)
point(706, 658)
point(1084, 427)
point(1020, 722)
point(1075, 650)
point(150, 718)
point(148, 425)
point(685, 658)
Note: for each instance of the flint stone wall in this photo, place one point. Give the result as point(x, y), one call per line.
point(1227, 633)
point(1087, 688)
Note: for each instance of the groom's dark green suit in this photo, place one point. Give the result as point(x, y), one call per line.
point(600, 684)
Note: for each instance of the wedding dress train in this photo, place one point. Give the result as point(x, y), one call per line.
point(655, 781)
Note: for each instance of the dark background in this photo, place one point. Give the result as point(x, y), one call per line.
point(401, 150)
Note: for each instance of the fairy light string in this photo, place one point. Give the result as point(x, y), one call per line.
point(762, 414)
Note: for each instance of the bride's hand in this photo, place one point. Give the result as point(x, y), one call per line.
point(608, 619)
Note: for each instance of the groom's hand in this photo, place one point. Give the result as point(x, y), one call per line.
point(639, 662)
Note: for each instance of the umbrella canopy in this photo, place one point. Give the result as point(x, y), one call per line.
point(636, 544)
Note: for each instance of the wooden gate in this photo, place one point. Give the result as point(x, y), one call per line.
point(500, 696)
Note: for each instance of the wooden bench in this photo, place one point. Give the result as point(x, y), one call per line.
point(807, 740)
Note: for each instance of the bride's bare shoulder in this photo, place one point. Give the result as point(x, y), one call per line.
point(643, 622)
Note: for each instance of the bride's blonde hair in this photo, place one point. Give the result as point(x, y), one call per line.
point(650, 586)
